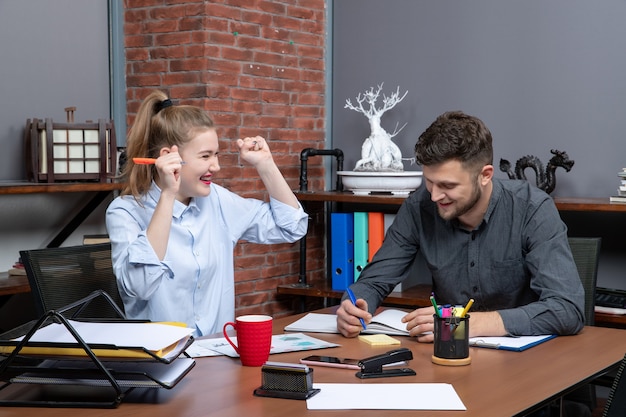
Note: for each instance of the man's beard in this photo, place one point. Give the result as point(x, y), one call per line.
point(461, 210)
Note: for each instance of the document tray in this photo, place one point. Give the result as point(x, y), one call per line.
point(114, 379)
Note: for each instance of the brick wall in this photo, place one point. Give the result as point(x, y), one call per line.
point(258, 68)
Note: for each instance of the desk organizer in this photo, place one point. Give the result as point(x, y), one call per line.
point(35, 374)
point(57, 152)
point(286, 380)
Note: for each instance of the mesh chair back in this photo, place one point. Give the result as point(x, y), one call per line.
point(61, 276)
point(586, 252)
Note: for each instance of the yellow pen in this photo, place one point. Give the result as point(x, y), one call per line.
point(467, 307)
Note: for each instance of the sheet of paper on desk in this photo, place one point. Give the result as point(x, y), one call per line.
point(315, 323)
point(281, 343)
point(387, 396)
point(152, 336)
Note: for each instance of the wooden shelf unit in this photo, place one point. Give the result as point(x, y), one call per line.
point(7, 188)
point(10, 284)
point(417, 296)
point(100, 189)
point(562, 203)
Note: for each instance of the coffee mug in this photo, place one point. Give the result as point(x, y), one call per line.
point(254, 338)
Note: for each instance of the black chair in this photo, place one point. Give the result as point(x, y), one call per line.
point(59, 277)
point(586, 252)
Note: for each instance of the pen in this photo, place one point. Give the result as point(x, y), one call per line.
point(467, 307)
point(353, 299)
point(148, 161)
point(434, 303)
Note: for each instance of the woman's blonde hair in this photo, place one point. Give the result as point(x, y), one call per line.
point(159, 124)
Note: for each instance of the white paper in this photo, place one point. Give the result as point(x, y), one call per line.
point(389, 321)
point(152, 336)
point(385, 397)
point(281, 343)
point(316, 323)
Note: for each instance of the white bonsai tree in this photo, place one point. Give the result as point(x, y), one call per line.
point(379, 152)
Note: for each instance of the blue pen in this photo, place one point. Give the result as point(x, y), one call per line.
point(353, 299)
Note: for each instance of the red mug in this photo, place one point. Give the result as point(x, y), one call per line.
point(254, 338)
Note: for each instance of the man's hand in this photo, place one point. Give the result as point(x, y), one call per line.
point(420, 324)
point(348, 315)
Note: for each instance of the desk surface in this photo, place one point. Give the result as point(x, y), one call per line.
point(496, 383)
point(13, 284)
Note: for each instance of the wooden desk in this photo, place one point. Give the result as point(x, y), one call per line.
point(13, 284)
point(495, 384)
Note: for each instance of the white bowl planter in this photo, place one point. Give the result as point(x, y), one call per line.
point(395, 182)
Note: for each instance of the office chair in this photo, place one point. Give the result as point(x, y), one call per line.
point(60, 276)
point(586, 252)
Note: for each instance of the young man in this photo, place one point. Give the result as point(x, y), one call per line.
point(500, 242)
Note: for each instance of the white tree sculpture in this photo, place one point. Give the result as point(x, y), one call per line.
point(379, 152)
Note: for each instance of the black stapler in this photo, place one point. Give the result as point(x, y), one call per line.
point(372, 367)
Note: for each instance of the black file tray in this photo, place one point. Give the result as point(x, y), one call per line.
point(102, 381)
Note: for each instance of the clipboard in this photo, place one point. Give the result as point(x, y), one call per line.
point(516, 344)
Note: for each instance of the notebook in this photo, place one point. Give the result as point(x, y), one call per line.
point(388, 321)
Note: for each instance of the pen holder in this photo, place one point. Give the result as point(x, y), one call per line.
point(451, 344)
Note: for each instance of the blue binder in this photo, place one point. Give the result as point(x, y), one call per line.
point(342, 250)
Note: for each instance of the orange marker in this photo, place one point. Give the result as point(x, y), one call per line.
point(148, 161)
point(144, 161)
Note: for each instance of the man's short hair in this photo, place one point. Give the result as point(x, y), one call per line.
point(455, 135)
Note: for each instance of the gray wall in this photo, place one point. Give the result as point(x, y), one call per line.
point(541, 75)
point(54, 54)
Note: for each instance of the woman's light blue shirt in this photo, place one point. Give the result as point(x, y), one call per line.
point(194, 283)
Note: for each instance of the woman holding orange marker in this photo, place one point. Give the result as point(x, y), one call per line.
point(173, 229)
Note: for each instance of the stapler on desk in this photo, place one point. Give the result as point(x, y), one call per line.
point(372, 367)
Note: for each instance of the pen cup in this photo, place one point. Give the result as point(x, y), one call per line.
point(451, 344)
point(254, 338)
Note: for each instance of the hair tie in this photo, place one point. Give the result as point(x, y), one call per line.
point(163, 104)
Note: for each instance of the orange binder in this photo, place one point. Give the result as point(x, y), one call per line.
point(376, 232)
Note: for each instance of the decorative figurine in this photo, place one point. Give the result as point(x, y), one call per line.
point(379, 152)
point(545, 180)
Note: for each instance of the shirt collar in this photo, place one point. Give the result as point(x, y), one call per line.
point(179, 208)
point(496, 193)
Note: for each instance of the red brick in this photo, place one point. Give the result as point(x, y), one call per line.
point(160, 26)
point(267, 80)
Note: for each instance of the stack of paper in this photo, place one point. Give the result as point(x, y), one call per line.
point(108, 339)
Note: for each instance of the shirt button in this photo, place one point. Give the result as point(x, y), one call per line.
point(472, 264)
point(196, 253)
point(475, 289)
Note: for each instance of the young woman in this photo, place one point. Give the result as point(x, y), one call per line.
point(173, 229)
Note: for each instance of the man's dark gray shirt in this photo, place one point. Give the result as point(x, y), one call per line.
point(517, 261)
